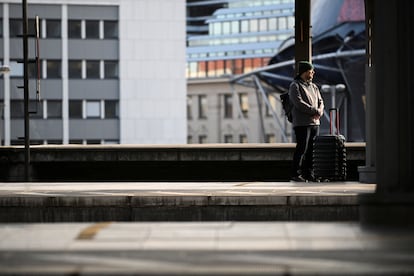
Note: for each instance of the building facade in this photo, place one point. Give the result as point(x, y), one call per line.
point(242, 36)
point(110, 72)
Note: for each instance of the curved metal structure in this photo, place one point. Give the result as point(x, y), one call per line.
point(339, 58)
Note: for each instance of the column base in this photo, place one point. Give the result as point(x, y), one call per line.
point(367, 174)
point(386, 210)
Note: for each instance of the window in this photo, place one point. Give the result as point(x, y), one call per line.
point(93, 109)
point(32, 70)
point(272, 102)
point(202, 106)
point(54, 142)
point(53, 28)
point(202, 139)
point(244, 104)
point(36, 109)
point(17, 109)
point(262, 25)
point(75, 69)
point(228, 106)
point(92, 69)
point(282, 21)
point(75, 29)
point(111, 109)
point(272, 24)
point(243, 139)
point(32, 27)
point(189, 107)
point(15, 27)
point(92, 28)
point(291, 22)
point(54, 109)
point(235, 27)
point(110, 142)
point(75, 142)
point(228, 138)
point(75, 109)
point(93, 142)
point(16, 69)
point(216, 28)
point(254, 25)
point(226, 28)
point(53, 69)
point(270, 138)
point(111, 69)
point(211, 70)
point(110, 29)
point(244, 26)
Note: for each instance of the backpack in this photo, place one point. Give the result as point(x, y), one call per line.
point(286, 105)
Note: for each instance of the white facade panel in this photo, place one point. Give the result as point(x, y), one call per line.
point(148, 103)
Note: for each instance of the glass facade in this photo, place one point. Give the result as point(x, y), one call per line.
point(241, 37)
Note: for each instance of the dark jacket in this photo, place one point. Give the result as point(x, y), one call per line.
point(307, 102)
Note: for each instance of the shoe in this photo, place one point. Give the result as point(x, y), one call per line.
point(298, 178)
point(312, 178)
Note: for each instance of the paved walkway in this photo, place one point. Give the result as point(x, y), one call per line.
point(199, 248)
point(204, 248)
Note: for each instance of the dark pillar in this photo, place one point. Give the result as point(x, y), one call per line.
point(393, 34)
point(367, 173)
point(303, 41)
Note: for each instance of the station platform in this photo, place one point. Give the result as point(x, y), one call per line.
point(180, 201)
point(105, 231)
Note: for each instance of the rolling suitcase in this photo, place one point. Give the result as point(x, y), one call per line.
point(329, 153)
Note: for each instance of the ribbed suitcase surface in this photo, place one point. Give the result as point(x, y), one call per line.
point(329, 156)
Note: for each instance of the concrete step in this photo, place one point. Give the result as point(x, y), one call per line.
point(181, 201)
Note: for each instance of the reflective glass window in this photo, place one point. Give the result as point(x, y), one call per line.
point(110, 29)
point(53, 28)
point(93, 109)
point(92, 28)
point(54, 109)
point(244, 103)
point(75, 109)
point(54, 69)
point(202, 106)
point(228, 106)
point(111, 109)
point(254, 25)
point(111, 69)
point(93, 69)
point(75, 29)
point(75, 69)
point(15, 27)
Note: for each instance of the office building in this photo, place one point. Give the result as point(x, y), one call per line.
point(110, 72)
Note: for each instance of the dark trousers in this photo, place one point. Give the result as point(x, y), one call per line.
point(302, 158)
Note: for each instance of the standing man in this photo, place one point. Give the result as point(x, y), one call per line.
point(307, 109)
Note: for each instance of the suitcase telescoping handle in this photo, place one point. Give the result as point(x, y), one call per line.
point(333, 114)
